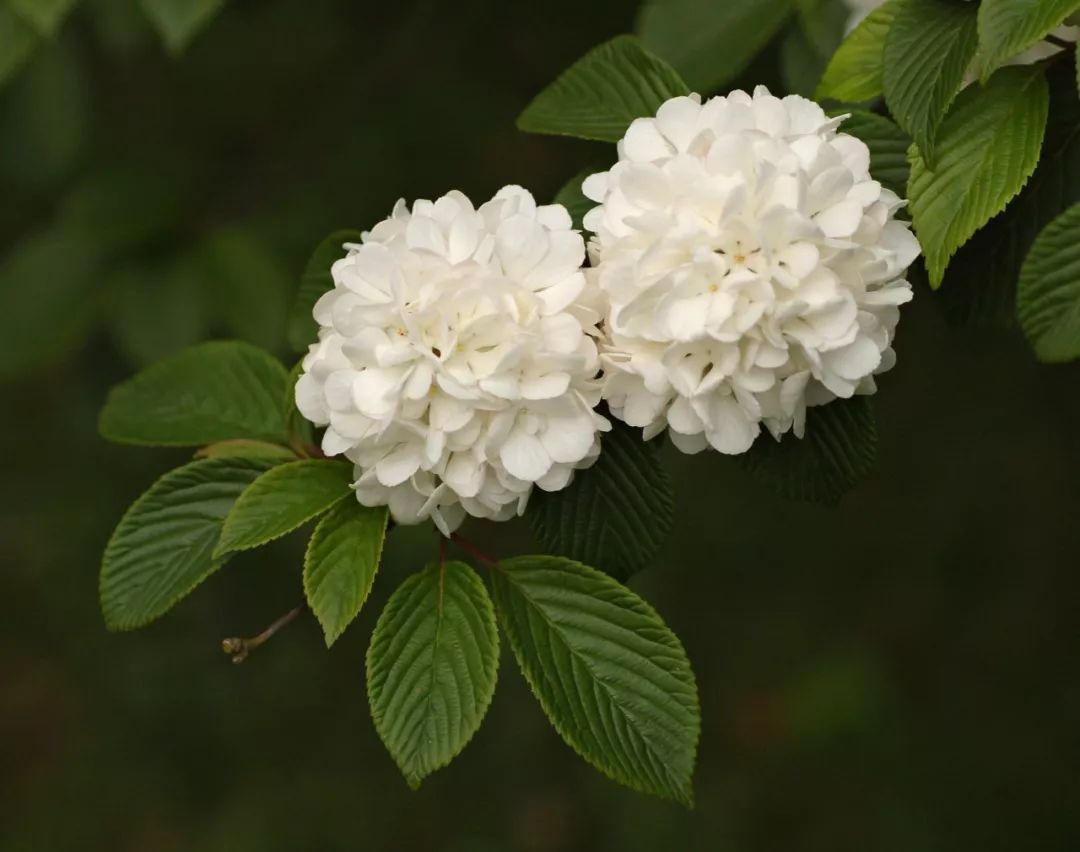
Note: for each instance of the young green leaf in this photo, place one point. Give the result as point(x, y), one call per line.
point(854, 73)
point(17, 42)
point(432, 666)
point(1009, 27)
point(614, 515)
point(208, 393)
point(599, 95)
point(988, 147)
point(710, 43)
point(612, 678)
point(163, 546)
point(980, 288)
point(572, 198)
point(45, 16)
point(1048, 296)
point(838, 450)
point(888, 146)
point(927, 52)
point(339, 568)
point(247, 449)
point(179, 21)
point(283, 499)
point(315, 281)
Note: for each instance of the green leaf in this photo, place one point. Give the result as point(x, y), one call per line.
point(854, 73)
point(988, 148)
point(800, 64)
point(247, 449)
point(710, 43)
point(283, 499)
point(163, 546)
point(315, 281)
point(927, 52)
point(339, 568)
point(573, 199)
point(17, 42)
point(888, 146)
point(1048, 296)
point(45, 16)
point(179, 21)
point(614, 515)
point(1009, 27)
point(838, 450)
point(208, 393)
point(432, 666)
point(824, 23)
point(612, 678)
point(980, 287)
point(599, 95)
point(47, 302)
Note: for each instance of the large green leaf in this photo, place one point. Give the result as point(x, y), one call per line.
point(163, 546)
point(988, 147)
point(854, 73)
point(339, 567)
point(1048, 297)
point(980, 287)
point(837, 451)
point(709, 43)
point(208, 393)
point(283, 499)
point(179, 21)
point(614, 515)
point(17, 42)
point(613, 679)
point(599, 95)
point(315, 281)
point(1009, 27)
point(45, 16)
point(888, 146)
point(431, 667)
point(927, 52)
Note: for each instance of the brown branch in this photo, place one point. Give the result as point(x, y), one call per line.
point(239, 648)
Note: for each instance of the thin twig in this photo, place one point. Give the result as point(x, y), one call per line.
point(239, 648)
point(1059, 42)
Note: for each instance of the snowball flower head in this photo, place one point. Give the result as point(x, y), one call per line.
point(457, 364)
point(751, 266)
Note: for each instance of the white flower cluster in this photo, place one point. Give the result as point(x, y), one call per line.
point(457, 362)
point(750, 264)
point(744, 265)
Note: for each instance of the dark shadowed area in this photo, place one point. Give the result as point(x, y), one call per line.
point(897, 674)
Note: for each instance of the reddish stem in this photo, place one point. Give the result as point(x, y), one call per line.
point(472, 550)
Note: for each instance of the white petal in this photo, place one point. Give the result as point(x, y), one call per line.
point(524, 456)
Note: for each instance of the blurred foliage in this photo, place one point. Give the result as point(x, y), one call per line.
point(897, 673)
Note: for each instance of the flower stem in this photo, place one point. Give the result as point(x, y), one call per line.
point(1058, 42)
point(473, 550)
point(239, 648)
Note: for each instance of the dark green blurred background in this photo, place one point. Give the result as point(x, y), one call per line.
point(899, 673)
